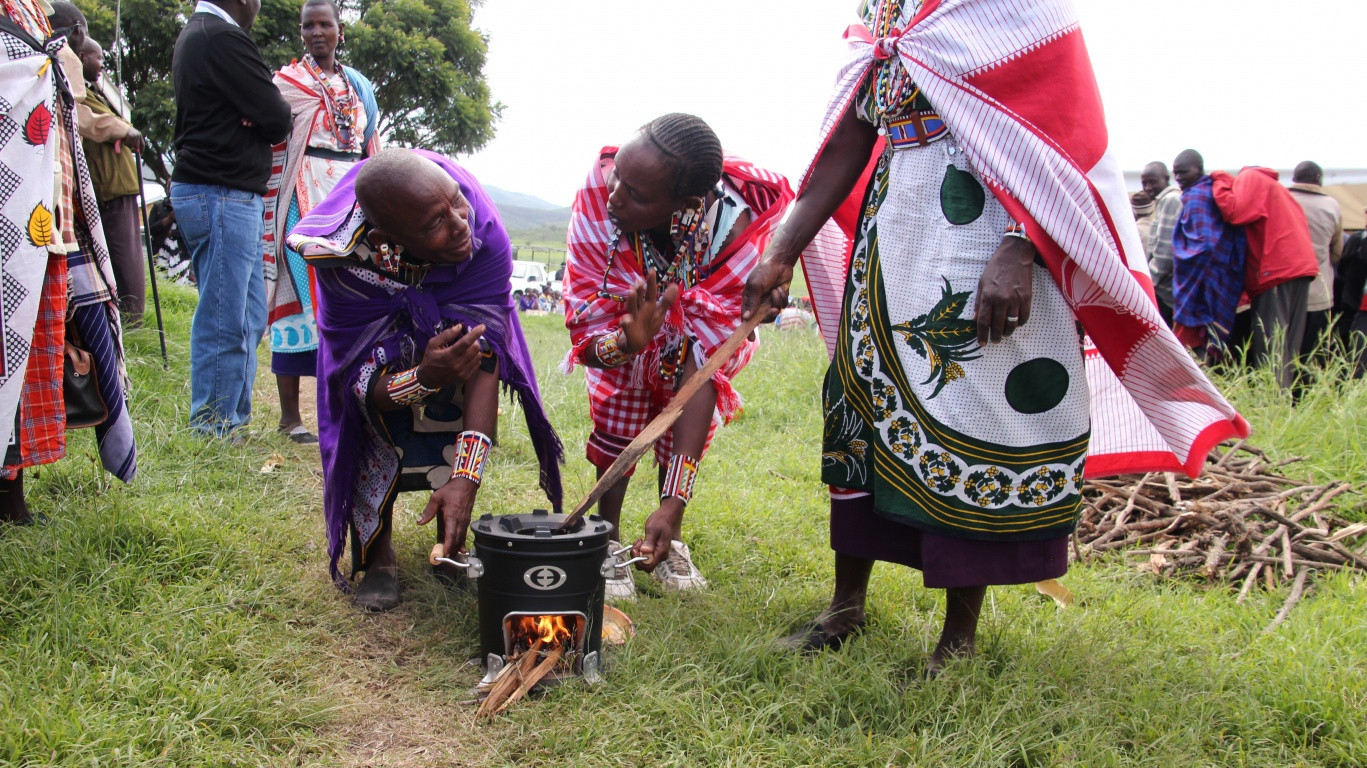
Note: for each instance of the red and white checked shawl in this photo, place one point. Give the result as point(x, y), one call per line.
point(1013, 81)
point(707, 312)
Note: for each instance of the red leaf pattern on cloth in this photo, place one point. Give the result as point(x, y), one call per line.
point(37, 125)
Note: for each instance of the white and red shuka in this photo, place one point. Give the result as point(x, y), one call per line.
point(603, 263)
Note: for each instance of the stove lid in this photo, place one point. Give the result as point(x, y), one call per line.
point(539, 525)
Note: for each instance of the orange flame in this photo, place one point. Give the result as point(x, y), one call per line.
point(549, 629)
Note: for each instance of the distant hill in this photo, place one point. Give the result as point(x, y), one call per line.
point(530, 219)
point(503, 197)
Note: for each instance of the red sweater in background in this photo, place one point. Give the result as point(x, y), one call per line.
point(1279, 246)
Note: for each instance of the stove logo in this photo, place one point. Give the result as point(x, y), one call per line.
point(544, 577)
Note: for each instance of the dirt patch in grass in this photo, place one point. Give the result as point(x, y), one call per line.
point(388, 716)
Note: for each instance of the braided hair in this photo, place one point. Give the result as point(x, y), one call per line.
point(692, 146)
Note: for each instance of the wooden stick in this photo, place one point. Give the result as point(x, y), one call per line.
point(661, 424)
point(541, 670)
point(1248, 583)
point(1297, 590)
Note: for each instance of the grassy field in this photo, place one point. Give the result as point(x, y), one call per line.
point(187, 619)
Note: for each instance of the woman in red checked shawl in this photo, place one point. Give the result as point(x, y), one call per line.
point(335, 116)
point(661, 239)
point(981, 220)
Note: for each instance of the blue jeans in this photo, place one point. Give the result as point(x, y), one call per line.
point(223, 227)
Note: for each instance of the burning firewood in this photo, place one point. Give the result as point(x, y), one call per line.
point(548, 641)
point(1239, 522)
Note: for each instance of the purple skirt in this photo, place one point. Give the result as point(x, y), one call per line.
point(295, 363)
point(946, 562)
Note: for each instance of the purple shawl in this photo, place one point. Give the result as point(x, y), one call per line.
point(356, 316)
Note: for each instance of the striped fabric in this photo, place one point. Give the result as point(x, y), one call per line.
point(996, 71)
point(706, 313)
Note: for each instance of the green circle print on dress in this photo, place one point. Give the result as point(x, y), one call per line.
point(1036, 385)
point(961, 196)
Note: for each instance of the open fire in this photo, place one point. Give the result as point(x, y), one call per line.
point(540, 649)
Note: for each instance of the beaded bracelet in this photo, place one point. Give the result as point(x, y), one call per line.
point(1017, 229)
point(472, 448)
point(679, 478)
point(405, 389)
point(609, 349)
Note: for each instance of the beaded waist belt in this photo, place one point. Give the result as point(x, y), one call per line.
point(332, 154)
point(915, 130)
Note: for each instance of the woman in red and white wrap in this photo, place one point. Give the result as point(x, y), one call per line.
point(661, 239)
point(968, 223)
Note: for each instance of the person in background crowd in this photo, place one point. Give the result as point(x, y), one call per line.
point(1325, 219)
point(168, 247)
point(335, 117)
point(1167, 200)
point(1349, 282)
point(1208, 264)
point(1141, 205)
point(228, 114)
point(114, 171)
point(412, 265)
point(1280, 267)
point(662, 235)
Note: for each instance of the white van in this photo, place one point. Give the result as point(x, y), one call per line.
point(529, 274)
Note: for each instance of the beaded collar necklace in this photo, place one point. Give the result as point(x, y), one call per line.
point(691, 235)
point(343, 107)
point(893, 90)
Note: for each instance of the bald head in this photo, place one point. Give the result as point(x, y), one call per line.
point(1188, 168)
point(413, 203)
point(1308, 172)
point(384, 185)
point(92, 60)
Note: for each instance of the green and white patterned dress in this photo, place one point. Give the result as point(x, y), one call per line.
point(980, 442)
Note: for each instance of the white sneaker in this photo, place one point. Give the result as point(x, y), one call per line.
point(678, 573)
point(621, 586)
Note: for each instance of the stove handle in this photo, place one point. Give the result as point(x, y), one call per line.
point(472, 565)
point(611, 565)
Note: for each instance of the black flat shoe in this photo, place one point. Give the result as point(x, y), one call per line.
point(378, 592)
point(813, 638)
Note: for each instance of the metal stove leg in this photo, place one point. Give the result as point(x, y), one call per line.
point(592, 668)
point(493, 663)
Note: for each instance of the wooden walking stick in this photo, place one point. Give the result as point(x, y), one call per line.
point(661, 424)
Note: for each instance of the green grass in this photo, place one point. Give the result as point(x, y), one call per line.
point(187, 619)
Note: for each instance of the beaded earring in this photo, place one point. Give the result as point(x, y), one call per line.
point(389, 257)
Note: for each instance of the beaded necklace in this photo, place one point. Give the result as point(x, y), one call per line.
point(893, 90)
point(343, 108)
point(691, 236)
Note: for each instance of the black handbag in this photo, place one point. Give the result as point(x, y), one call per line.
point(80, 387)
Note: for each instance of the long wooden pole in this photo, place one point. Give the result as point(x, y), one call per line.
point(661, 424)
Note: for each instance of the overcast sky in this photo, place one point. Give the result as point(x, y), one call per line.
point(1243, 81)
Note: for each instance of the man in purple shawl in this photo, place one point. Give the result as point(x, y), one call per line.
point(416, 331)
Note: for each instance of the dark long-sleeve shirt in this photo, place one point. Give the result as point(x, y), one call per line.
point(221, 81)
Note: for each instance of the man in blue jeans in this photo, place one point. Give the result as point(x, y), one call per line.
point(228, 114)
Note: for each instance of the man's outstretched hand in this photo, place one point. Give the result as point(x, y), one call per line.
point(646, 311)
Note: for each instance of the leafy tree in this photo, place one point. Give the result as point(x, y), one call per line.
point(422, 56)
point(426, 64)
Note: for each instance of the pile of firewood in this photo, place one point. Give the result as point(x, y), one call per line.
point(516, 678)
point(1240, 522)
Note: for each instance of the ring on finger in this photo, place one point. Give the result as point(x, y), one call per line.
point(1012, 319)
